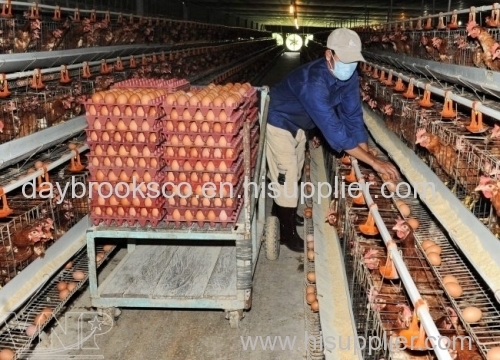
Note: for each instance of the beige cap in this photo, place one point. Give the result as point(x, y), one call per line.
point(346, 44)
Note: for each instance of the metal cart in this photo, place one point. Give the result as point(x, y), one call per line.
point(164, 273)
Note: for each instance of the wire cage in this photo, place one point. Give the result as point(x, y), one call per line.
point(22, 237)
point(9, 119)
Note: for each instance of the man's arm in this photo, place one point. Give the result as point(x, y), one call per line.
point(315, 99)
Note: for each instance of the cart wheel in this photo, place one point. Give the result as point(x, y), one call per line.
point(234, 318)
point(272, 238)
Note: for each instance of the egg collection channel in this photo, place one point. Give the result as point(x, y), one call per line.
point(170, 140)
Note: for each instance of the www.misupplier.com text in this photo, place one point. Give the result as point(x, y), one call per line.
point(372, 344)
point(138, 189)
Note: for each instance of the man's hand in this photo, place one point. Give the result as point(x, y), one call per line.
point(385, 168)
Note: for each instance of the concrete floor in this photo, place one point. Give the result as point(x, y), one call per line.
point(147, 334)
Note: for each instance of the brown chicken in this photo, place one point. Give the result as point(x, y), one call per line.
point(441, 45)
point(491, 190)
point(28, 236)
point(404, 233)
point(444, 154)
point(485, 39)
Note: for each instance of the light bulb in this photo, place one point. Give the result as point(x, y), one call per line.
point(291, 9)
point(296, 23)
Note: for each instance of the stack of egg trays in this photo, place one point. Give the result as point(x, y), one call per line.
point(171, 85)
point(114, 157)
point(185, 198)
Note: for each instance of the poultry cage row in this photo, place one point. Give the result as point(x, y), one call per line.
point(460, 155)
point(32, 104)
point(33, 31)
point(380, 305)
point(40, 215)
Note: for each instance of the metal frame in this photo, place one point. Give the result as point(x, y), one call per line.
point(246, 233)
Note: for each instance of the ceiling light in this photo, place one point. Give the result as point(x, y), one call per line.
point(292, 8)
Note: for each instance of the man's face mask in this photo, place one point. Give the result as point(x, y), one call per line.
point(343, 71)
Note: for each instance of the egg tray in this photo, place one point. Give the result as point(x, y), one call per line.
point(230, 169)
point(127, 170)
point(237, 190)
point(235, 175)
point(157, 154)
point(235, 142)
point(171, 85)
point(192, 109)
point(156, 124)
point(176, 202)
point(229, 135)
point(140, 202)
point(249, 98)
point(182, 222)
point(160, 137)
point(103, 120)
point(128, 146)
point(234, 117)
point(114, 219)
point(146, 109)
point(158, 179)
point(252, 114)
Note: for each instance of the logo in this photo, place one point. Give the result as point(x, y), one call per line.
point(352, 43)
point(75, 332)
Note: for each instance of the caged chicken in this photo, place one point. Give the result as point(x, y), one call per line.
point(483, 56)
point(404, 233)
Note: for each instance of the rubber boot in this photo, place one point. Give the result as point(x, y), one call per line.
point(299, 220)
point(288, 231)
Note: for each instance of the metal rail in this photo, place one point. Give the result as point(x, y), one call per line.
point(418, 302)
point(486, 110)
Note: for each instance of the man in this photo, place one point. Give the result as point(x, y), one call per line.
point(324, 94)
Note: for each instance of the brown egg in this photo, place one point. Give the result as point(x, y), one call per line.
point(434, 259)
point(188, 215)
point(413, 223)
point(78, 275)
point(217, 128)
point(434, 249)
point(310, 255)
point(40, 319)
point(310, 245)
point(308, 212)
point(223, 215)
point(493, 353)
point(62, 285)
point(68, 265)
point(404, 210)
point(472, 314)
point(453, 289)
point(222, 166)
point(450, 278)
point(311, 277)
point(310, 289)
point(71, 286)
point(315, 306)
point(63, 294)
point(310, 298)
point(210, 115)
point(427, 244)
point(222, 116)
point(199, 166)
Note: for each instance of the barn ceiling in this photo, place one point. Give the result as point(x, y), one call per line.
point(328, 13)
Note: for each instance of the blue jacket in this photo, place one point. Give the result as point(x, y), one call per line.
point(310, 96)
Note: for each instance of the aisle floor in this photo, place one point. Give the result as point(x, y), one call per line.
point(276, 319)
